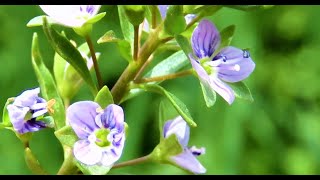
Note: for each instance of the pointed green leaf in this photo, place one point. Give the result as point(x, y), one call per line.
point(47, 84)
point(241, 90)
point(125, 50)
point(167, 148)
point(68, 52)
point(96, 18)
point(191, 9)
point(126, 27)
point(226, 36)
point(135, 13)
point(126, 129)
point(5, 116)
point(109, 36)
point(66, 136)
point(177, 103)
point(249, 7)
point(209, 95)
point(208, 10)
point(162, 110)
point(184, 44)
point(104, 97)
point(32, 162)
point(67, 78)
point(38, 21)
point(123, 45)
point(174, 22)
point(170, 65)
point(48, 120)
point(93, 170)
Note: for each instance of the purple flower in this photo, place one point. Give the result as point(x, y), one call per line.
point(71, 15)
point(25, 109)
point(230, 64)
point(187, 159)
point(101, 132)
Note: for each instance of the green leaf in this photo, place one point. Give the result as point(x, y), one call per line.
point(126, 129)
point(109, 36)
point(32, 162)
point(184, 44)
point(170, 65)
point(209, 95)
point(38, 21)
point(5, 115)
point(208, 10)
point(191, 9)
point(67, 78)
point(135, 13)
point(68, 52)
point(241, 90)
point(167, 148)
point(174, 22)
point(47, 84)
point(226, 36)
point(93, 170)
point(249, 7)
point(125, 50)
point(153, 10)
point(123, 45)
point(162, 110)
point(104, 97)
point(66, 136)
point(126, 27)
point(48, 120)
point(96, 18)
point(177, 103)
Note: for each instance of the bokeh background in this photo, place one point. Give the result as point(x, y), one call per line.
point(276, 134)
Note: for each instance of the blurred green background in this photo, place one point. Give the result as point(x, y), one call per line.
point(276, 134)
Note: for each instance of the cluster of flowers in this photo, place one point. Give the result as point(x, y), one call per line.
point(101, 134)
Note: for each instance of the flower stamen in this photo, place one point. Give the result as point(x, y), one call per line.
point(50, 104)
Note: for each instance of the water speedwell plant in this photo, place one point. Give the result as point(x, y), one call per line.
point(93, 132)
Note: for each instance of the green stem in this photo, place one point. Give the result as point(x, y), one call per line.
point(136, 43)
point(154, 17)
point(68, 166)
point(95, 62)
point(120, 88)
point(140, 160)
point(165, 77)
point(32, 162)
point(143, 67)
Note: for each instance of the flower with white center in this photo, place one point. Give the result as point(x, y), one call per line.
point(25, 110)
point(101, 132)
point(229, 65)
point(71, 15)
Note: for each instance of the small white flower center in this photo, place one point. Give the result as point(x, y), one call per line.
point(237, 67)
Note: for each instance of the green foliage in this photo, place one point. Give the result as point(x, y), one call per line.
point(135, 13)
point(93, 170)
point(68, 52)
point(176, 102)
point(104, 97)
point(241, 90)
point(66, 136)
point(174, 22)
point(47, 84)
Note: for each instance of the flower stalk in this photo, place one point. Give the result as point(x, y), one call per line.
point(95, 62)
